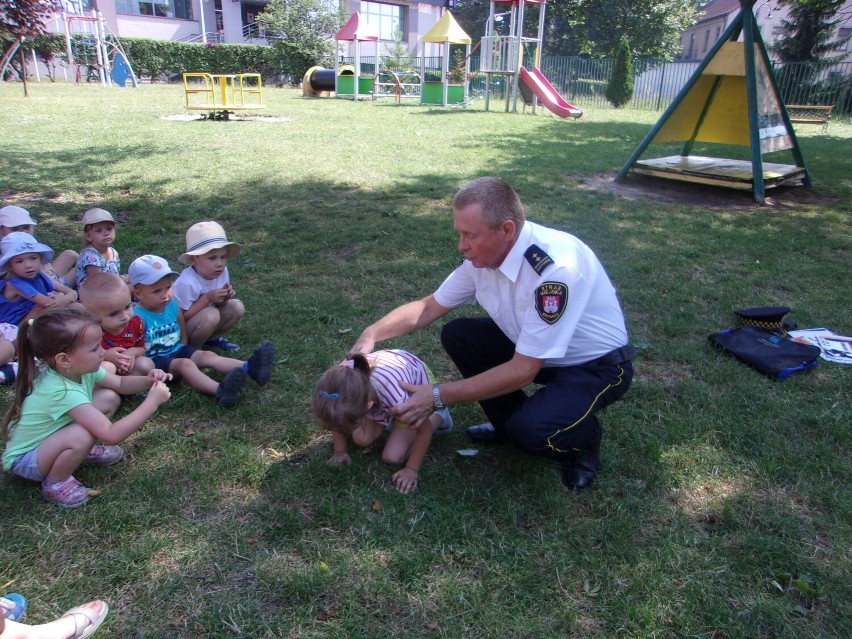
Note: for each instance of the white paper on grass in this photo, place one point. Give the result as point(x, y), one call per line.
point(833, 347)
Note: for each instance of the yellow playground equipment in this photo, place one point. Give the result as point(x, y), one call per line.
point(220, 95)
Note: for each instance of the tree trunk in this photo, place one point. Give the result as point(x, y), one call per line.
point(24, 69)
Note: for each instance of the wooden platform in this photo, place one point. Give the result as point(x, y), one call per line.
point(735, 174)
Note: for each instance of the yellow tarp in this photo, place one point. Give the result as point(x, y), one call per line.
point(446, 30)
point(726, 117)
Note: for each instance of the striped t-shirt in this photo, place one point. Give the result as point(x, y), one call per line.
point(389, 368)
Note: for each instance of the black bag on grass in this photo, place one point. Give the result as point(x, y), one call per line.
point(771, 354)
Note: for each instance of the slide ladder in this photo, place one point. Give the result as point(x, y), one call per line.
point(535, 81)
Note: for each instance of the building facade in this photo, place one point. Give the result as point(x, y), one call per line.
point(716, 15)
point(238, 21)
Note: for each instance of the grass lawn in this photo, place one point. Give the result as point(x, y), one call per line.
point(724, 505)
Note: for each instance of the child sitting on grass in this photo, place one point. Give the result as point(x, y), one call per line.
point(15, 219)
point(8, 367)
point(27, 291)
point(107, 297)
point(57, 417)
point(354, 398)
point(204, 292)
point(98, 255)
point(166, 341)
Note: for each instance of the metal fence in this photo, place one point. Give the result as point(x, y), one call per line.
point(657, 82)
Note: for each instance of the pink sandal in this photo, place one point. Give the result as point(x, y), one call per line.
point(104, 455)
point(68, 494)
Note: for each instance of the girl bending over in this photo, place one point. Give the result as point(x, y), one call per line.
point(354, 398)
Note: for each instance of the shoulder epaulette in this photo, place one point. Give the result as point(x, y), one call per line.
point(537, 258)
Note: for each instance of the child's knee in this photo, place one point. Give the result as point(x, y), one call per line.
point(7, 352)
point(142, 365)
point(208, 319)
point(180, 367)
point(360, 438)
point(106, 400)
point(77, 438)
point(394, 456)
point(203, 359)
point(233, 311)
point(66, 257)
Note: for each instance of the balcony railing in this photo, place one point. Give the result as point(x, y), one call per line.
point(213, 37)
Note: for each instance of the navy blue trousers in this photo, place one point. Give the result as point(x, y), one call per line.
point(556, 420)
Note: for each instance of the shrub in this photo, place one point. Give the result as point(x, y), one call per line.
point(619, 91)
point(158, 58)
point(48, 47)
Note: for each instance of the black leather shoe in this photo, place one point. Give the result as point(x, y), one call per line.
point(484, 433)
point(582, 470)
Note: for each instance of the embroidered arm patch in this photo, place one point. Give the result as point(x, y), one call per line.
point(551, 298)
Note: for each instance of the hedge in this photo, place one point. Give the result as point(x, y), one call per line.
point(157, 59)
point(163, 59)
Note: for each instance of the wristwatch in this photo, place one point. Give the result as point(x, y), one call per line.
point(436, 395)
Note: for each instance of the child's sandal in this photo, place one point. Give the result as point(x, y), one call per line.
point(86, 620)
point(104, 455)
point(68, 494)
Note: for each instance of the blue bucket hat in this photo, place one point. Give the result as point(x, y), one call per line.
point(19, 243)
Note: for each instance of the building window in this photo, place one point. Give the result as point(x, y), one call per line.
point(162, 8)
point(706, 39)
point(843, 39)
point(384, 18)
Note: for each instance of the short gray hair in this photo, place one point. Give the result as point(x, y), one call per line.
point(498, 200)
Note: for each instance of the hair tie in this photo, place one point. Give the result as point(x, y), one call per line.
point(329, 395)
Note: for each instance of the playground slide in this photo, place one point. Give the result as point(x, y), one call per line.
point(547, 95)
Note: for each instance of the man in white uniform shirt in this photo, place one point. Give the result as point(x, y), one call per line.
point(554, 320)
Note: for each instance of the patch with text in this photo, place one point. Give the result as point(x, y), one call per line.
point(551, 298)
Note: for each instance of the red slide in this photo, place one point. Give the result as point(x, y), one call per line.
point(547, 95)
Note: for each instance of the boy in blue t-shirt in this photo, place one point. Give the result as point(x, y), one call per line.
point(166, 341)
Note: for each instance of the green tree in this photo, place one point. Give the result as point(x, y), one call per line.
point(619, 91)
point(808, 38)
point(303, 34)
point(809, 31)
point(471, 16)
point(401, 59)
point(595, 27)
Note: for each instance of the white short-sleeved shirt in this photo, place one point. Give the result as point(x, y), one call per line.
point(189, 286)
point(551, 296)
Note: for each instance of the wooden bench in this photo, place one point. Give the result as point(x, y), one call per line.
point(810, 114)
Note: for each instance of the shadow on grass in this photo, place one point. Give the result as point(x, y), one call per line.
point(241, 528)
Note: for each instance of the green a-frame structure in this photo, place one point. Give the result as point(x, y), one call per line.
point(731, 99)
